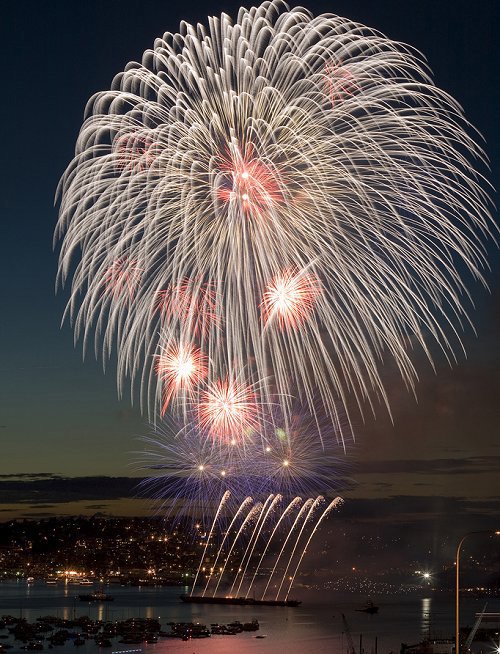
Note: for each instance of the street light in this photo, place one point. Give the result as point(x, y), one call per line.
point(457, 582)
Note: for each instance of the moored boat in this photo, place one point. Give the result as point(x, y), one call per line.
point(369, 607)
point(96, 596)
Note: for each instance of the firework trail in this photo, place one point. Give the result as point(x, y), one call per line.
point(244, 505)
point(316, 503)
point(333, 505)
point(253, 514)
point(224, 499)
point(293, 197)
point(293, 504)
point(267, 506)
point(304, 510)
point(275, 500)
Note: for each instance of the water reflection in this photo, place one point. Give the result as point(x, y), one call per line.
point(425, 617)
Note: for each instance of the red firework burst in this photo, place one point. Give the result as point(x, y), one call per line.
point(134, 152)
point(180, 368)
point(250, 181)
point(122, 277)
point(228, 411)
point(339, 82)
point(194, 306)
point(290, 298)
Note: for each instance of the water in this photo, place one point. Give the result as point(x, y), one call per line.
point(315, 627)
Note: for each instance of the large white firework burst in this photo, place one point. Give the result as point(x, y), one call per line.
point(294, 189)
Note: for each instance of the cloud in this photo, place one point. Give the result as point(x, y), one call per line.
point(27, 476)
point(412, 511)
point(464, 465)
point(33, 489)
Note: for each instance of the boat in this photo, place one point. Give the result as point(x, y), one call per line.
point(104, 642)
point(369, 607)
point(96, 596)
point(237, 601)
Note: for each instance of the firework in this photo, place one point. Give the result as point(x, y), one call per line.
point(290, 298)
point(187, 476)
point(188, 473)
point(340, 83)
point(180, 369)
point(122, 278)
point(248, 186)
point(295, 462)
point(228, 411)
point(190, 304)
point(305, 170)
point(134, 152)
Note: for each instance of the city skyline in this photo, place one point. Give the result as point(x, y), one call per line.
point(61, 418)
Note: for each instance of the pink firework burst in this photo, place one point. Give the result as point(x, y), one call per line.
point(250, 181)
point(290, 298)
point(228, 411)
point(192, 304)
point(339, 82)
point(134, 152)
point(180, 368)
point(122, 277)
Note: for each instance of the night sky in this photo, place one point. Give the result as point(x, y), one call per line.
point(61, 418)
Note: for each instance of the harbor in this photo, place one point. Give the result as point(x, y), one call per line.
point(155, 619)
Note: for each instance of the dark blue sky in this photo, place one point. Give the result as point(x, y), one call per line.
point(61, 416)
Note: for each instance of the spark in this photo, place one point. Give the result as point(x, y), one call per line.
point(243, 175)
point(180, 369)
point(182, 473)
point(191, 303)
point(340, 82)
point(134, 152)
point(122, 278)
point(228, 410)
point(290, 298)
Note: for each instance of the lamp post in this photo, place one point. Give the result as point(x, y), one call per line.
point(457, 582)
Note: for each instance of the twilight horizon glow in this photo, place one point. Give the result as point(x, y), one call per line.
point(298, 195)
